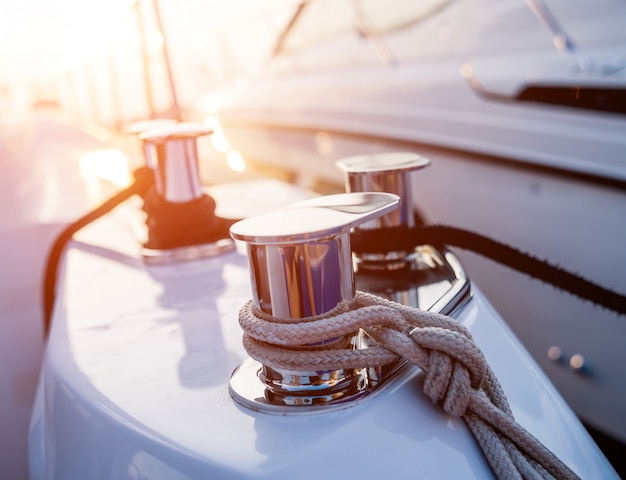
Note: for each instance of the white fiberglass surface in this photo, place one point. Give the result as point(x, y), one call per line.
point(137, 370)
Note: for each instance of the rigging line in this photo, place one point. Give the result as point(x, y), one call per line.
point(144, 180)
point(456, 372)
point(405, 239)
point(560, 39)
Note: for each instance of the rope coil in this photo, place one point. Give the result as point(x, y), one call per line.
point(456, 372)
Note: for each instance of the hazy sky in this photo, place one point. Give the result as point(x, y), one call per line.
point(45, 35)
point(36, 35)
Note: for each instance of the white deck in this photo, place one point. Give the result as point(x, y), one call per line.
point(136, 375)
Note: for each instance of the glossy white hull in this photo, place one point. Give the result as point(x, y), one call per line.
point(135, 384)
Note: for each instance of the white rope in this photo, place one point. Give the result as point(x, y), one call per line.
point(456, 372)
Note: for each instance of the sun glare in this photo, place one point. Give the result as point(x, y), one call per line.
point(43, 35)
point(107, 164)
point(218, 140)
point(236, 161)
point(220, 144)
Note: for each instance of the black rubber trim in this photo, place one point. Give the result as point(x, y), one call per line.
point(598, 99)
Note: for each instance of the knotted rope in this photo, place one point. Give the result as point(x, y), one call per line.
point(456, 372)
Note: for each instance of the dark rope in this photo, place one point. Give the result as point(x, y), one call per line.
point(398, 239)
point(174, 225)
point(144, 180)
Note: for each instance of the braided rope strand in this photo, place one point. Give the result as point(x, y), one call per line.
point(456, 372)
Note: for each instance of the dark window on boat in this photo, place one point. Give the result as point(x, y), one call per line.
point(589, 98)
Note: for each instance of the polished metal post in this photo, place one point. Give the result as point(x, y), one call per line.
point(387, 262)
point(172, 151)
point(385, 172)
point(142, 126)
point(300, 257)
point(300, 266)
point(181, 219)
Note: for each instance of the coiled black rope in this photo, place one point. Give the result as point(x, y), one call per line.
point(402, 238)
point(170, 225)
point(174, 225)
point(143, 182)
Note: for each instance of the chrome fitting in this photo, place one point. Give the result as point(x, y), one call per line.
point(301, 265)
point(172, 151)
point(181, 219)
point(385, 172)
point(420, 276)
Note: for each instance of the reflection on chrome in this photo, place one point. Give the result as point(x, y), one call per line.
point(301, 266)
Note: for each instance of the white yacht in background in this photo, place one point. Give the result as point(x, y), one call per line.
point(520, 105)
